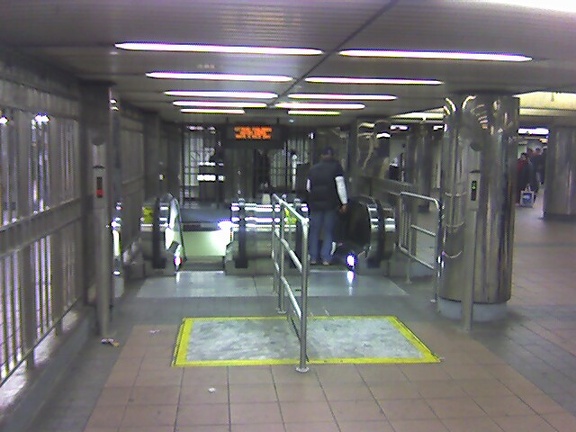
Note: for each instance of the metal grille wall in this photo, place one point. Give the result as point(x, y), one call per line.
point(200, 143)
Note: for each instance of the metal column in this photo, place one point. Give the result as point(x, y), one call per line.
point(477, 190)
point(560, 195)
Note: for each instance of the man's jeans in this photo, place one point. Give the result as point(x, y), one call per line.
point(321, 222)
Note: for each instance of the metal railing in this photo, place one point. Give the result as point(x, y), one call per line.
point(38, 290)
point(287, 219)
point(408, 235)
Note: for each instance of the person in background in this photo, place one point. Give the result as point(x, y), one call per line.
point(538, 161)
point(326, 197)
point(526, 178)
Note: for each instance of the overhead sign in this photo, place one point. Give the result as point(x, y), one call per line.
point(253, 133)
point(253, 136)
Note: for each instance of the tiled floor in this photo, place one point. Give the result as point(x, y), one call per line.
point(514, 375)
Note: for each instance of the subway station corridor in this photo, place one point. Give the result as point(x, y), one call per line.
point(514, 375)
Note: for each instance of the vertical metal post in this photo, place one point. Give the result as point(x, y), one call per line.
point(26, 301)
point(242, 260)
point(103, 239)
point(438, 257)
point(298, 240)
point(282, 257)
point(407, 218)
point(305, 260)
point(57, 263)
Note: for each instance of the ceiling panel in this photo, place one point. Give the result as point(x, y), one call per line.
point(79, 36)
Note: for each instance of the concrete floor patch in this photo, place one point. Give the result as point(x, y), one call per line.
point(268, 341)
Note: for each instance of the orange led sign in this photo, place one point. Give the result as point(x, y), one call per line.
point(259, 133)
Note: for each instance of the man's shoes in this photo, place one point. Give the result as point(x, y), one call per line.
point(326, 263)
point(312, 262)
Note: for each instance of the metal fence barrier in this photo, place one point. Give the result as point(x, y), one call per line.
point(38, 289)
point(290, 226)
point(407, 239)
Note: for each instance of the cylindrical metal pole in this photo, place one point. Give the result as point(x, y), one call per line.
point(304, 299)
point(560, 196)
point(478, 168)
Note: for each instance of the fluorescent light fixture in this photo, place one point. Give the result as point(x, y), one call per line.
point(211, 111)
point(384, 81)
point(41, 118)
point(436, 55)
point(218, 77)
point(209, 104)
point(383, 135)
point(399, 127)
point(221, 94)
point(533, 131)
point(549, 5)
point(320, 106)
point(3, 121)
point(335, 96)
point(422, 116)
point(313, 112)
point(226, 49)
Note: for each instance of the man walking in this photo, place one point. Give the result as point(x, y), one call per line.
point(326, 197)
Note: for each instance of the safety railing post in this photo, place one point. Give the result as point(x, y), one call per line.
point(305, 260)
point(282, 256)
point(407, 230)
point(242, 260)
point(299, 257)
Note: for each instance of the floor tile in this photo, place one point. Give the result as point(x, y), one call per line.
point(350, 411)
point(255, 413)
point(298, 412)
point(474, 424)
point(149, 415)
point(202, 415)
point(524, 423)
point(463, 407)
point(418, 426)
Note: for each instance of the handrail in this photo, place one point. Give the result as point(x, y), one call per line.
point(408, 241)
point(280, 248)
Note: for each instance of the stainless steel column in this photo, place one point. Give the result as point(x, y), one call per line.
point(560, 194)
point(97, 120)
point(477, 191)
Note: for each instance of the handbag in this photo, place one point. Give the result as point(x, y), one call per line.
point(527, 197)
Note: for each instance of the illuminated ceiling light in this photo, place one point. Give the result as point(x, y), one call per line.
point(209, 104)
point(436, 55)
point(313, 112)
point(226, 49)
point(549, 5)
point(211, 111)
point(218, 77)
point(385, 81)
point(334, 96)
point(421, 116)
point(320, 106)
point(533, 131)
point(41, 118)
point(383, 135)
point(221, 94)
point(399, 127)
point(3, 121)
